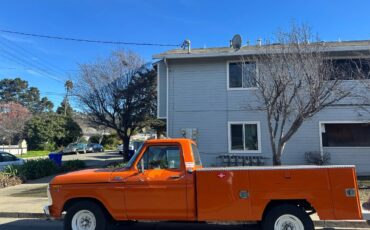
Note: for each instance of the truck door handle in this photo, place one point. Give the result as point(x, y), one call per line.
point(175, 177)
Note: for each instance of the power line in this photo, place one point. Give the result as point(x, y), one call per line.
point(29, 68)
point(87, 40)
point(16, 49)
point(24, 62)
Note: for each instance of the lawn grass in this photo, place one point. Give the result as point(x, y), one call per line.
point(35, 153)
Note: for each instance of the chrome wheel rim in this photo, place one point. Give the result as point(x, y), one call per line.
point(83, 220)
point(288, 222)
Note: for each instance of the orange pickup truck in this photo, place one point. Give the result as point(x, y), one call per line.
point(165, 180)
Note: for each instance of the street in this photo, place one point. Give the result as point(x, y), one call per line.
point(33, 224)
point(41, 224)
point(95, 159)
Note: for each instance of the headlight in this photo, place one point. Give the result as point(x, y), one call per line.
point(49, 195)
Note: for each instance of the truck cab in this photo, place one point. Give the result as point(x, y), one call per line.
point(165, 180)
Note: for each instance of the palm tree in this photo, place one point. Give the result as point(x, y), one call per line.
point(68, 86)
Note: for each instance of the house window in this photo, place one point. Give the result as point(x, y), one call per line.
point(345, 135)
point(244, 137)
point(241, 75)
point(350, 69)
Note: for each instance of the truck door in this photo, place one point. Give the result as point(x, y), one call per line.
point(158, 190)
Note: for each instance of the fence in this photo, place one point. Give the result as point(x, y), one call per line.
point(14, 149)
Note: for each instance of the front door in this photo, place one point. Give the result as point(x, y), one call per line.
point(158, 191)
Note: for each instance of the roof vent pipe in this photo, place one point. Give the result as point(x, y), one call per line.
point(187, 45)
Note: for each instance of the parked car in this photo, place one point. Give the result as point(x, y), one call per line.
point(9, 159)
point(94, 148)
point(75, 148)
point(165, 180)
point(134, 146)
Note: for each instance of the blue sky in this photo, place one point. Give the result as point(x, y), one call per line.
point(47, 63)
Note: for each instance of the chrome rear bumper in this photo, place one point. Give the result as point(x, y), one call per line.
point(366, 215)
point(47, 211)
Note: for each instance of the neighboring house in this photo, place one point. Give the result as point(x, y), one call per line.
point(89, 129)
point(202, 97)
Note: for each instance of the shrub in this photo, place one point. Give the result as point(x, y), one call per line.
point(12, 170)
point(8, 180)
point(32, 169)
point(315, 157)
point(73, 165)
point(110, 141)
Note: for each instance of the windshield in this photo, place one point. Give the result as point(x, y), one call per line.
point(133, 158)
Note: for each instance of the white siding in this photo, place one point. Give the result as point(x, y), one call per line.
point(198, 98)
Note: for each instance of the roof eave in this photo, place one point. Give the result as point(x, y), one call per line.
point(251, 52)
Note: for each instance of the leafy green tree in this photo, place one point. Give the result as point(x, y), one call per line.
point(65, 108)
point(18, 90)
point(158, 125)
point(96, 139)
point(50, 130)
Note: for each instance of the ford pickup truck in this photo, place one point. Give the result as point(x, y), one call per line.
point(165, 180)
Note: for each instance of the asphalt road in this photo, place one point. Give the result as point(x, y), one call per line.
point(95, 159)
point(37, 224)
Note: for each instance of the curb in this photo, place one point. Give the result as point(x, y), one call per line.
point(341, 224)
point(22, 215)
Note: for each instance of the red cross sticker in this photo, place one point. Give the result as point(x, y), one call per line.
point(221, 175)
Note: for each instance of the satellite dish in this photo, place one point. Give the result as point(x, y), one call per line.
point(236, 42)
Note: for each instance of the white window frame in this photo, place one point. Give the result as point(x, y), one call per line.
point(227, 76)
point(321, 123)
point(259, 150)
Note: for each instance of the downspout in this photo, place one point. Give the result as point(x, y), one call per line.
point(167, 91)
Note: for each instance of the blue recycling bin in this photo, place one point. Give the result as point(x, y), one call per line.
point(57, 158)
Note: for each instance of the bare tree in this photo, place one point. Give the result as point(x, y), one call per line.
point(13, 117)
point(295, 80)
point(118, 93)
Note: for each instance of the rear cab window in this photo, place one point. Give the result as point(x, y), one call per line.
point(196, 155)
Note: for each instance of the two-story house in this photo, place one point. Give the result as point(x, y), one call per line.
point(202, 96)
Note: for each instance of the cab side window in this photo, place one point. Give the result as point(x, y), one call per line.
point(161, 157)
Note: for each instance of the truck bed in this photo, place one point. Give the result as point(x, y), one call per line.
point(243, 193)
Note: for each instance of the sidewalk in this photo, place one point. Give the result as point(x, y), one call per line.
point(27, 200)
point(24, 200)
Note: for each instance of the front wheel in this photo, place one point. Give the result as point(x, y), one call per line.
point(85, 215)
point(287, 217)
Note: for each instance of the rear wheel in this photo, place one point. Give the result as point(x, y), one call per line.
point(287, 217)
point(85, 215)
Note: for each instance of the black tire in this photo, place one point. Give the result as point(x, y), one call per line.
point(269, 220)
point(95, 209)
